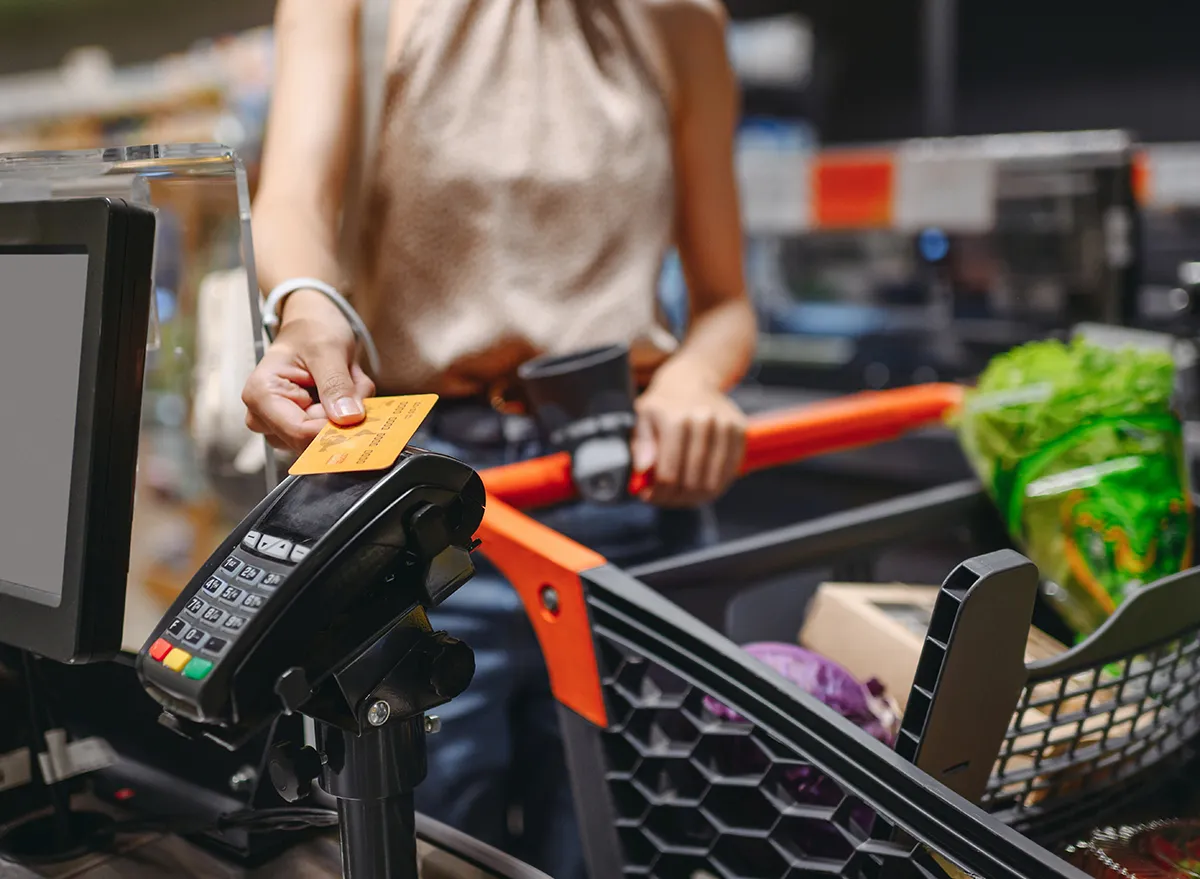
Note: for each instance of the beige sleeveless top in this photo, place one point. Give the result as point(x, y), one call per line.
point(521, 198)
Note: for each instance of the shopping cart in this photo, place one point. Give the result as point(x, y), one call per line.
point(664, 787)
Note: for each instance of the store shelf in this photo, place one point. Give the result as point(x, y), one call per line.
point(217, 91)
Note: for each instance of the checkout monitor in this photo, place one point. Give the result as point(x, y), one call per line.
point(75, 286)
point(860, 309)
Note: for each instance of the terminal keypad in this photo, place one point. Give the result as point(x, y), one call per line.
point(226, 603)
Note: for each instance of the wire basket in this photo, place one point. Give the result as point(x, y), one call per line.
point(1107, 723)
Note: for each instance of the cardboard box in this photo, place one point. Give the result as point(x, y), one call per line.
point(878, 631)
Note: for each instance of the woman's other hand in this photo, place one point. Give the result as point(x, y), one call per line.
point(691, 435)
point(308, 376)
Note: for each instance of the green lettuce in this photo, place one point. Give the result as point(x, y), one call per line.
point(1080, 448)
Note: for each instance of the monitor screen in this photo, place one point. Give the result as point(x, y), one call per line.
point(76, 275)
point(43, 296)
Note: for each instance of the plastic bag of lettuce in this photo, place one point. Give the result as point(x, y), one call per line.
point(1083, 454)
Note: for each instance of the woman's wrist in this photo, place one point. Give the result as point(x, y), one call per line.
point(684, 368)
point(718, 349)
point(310, 302)
point(307, 305)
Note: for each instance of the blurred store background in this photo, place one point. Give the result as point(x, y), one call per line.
point(896, 233)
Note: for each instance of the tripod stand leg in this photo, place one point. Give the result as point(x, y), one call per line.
point(373, 777)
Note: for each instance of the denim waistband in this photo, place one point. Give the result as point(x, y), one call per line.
point(474, 423)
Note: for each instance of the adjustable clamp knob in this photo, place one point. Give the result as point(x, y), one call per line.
point(293, 770)
point(450, 665)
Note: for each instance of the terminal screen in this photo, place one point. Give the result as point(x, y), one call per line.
point(316, 503)
point(42, 298)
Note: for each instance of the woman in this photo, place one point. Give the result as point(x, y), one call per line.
point(535, 161)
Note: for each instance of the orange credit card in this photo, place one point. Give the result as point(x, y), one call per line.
point(372, 444)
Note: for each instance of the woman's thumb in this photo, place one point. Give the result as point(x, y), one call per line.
point(643, 447)
point(331, 374)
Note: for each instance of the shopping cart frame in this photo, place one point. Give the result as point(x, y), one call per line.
point(583, 608)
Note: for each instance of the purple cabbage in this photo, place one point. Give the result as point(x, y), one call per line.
point(863, 704)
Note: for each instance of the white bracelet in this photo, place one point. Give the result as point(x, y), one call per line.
point(274, 303)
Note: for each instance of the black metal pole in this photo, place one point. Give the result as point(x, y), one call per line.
point(379, 838)
point(940, 62)
point(373, 777)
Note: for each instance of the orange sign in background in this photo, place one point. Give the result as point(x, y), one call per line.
point(853, 191)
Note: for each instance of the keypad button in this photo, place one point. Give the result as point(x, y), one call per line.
point(253, 602)
point(159, 649)
point(231, 564)
point(213, 585)
point(275, 547)
point(196, 606)
point(177, 659)
point(271, 580)
point(234, 623)
point(215, 645)
point(232, 595)
point(197, 669)
point(299, 552)
point(178, 627)
point(250, 573)
point(194, 637)
point(251, 539)
point(214, 615)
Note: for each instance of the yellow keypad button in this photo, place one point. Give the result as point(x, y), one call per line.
point(177, 659)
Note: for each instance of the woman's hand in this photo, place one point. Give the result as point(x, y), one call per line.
point(308, 376)
point(691, 435)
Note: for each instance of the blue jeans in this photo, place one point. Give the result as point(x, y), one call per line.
point(499, 752)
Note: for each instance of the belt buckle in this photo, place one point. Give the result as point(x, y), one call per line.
point(517, 424)
point(505, 397)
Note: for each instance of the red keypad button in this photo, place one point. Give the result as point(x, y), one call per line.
point(159, 649)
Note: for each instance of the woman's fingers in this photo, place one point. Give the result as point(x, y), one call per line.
point(696, 453)
point(736, 452)
point(336, 388)
point(285, 425)
point(276, 402)
point(671, 438)
point(301, 384)
point(716, 473)
point(363, 385)
point(701, 446)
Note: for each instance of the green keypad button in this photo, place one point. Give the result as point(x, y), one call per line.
point(197, 669)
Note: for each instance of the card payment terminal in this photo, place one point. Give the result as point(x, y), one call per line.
point(325, 566)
